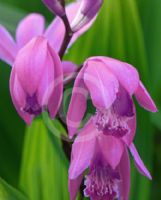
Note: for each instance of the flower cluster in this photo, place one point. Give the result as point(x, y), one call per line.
point(36, 84)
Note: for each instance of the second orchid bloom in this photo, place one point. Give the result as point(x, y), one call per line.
point(102, 144)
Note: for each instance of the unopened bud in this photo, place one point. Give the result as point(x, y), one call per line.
point(87, 11)
point(56, 6)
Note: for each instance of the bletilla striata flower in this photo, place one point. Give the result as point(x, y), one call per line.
point(108, 177)
point(111, 84)
point(36, 81)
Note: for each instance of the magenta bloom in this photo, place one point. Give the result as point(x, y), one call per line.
point(111, 84)
point(36, 81)
point(102, 144)
point(108, 162)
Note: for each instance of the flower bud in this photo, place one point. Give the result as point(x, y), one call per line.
point(87, 11)
point(56, 6)
point(36, 81)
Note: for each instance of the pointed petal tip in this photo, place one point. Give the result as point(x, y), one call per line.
point(144, 98)
point(139, 163)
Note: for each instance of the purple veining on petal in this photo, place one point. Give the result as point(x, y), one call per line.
point(32, 106)
point(102, 182)
point(114, 121)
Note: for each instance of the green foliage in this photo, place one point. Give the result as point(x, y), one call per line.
point(9, 193)
point(44, 165)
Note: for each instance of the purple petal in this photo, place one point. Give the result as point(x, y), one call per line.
point(124, 168)
point(128, 138)
point(73, 186)
point(87, 11)
point(56, 97)
point(83, 150)
point(112, 149)
point(125, 73)
point(56, 31)
point(8, 48)
point(144, 98)
point(30, 64)
point(31, 26)
point(78, 104)
point(123, 104)
point(68, 68)
point(101, 84)
point(55, 7)
point(139, 163)
point(18, 97)
point(47, 83)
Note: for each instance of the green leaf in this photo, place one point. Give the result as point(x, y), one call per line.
point(7, 192)
point(44, 166)
point(6, 16)
point(12, 126)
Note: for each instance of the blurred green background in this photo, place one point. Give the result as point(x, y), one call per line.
point(32, 162)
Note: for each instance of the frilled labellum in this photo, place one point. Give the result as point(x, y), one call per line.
point(56, 6)
point(36, 79)
point(102, 182)
point(115, 120)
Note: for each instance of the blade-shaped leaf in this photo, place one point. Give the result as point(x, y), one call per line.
point(7, 192)
point(44, 165)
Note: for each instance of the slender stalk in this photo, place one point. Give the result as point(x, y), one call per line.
point(62, 2)
point(67, 37)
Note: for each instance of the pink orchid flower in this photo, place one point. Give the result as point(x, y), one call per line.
point(36, 79)
point(111, 84)
point(108, 163)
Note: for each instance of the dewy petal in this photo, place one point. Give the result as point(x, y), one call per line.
point(139, 163)
point(83, 150)
point(30, 63)
point(18, 97)
point(78, 104)
point(8, 48)
point(73, 186)
point(124, 168)
point(31, 26)
point(112, 149)
point(68, 68)
point(125, 73)
point(56, 96)
point(144, 98)
point(56, 30)
point(101, 83)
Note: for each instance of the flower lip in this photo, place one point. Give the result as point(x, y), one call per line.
point(114, 121)
point(102, 181)
point(32, 106)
